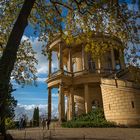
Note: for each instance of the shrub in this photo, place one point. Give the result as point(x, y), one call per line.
point(9, 123)
point(93, 119)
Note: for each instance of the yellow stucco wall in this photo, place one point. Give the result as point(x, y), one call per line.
point(121, 101)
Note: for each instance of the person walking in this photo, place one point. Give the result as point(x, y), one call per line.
point(21, 124)
point(44, 123)
point(24, 123)
point(48, 123)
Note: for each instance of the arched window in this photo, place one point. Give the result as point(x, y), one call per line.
point(95, 104)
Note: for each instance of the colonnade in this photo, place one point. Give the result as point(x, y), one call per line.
point(70, 102)
point(70, 95)
point(83, 64)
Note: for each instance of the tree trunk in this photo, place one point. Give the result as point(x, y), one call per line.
point(9, 55)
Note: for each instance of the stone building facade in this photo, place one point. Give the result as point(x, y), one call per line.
point(121, 101)
point(88, 84)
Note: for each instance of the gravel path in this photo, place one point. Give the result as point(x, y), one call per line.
point(77, 133)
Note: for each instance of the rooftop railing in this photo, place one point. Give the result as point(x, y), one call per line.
point(103, 72)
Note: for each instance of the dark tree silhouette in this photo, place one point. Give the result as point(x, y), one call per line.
point(9, 56)
point(36, 117)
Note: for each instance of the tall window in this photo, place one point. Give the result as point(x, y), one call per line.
point(117, 59)
point(91, 64)
point(74, 66)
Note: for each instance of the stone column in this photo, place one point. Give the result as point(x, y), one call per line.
point(87, 99)
point(50, 64)
point(71, 104)
point(79, 63)
point(61, 104)
point(83, 57)
point(70, 68)
point(60, 57)
point(49, 103)
point(122, 61)
point(86, 67)
point(68, 107)
point(113, 59)
point(99, 65)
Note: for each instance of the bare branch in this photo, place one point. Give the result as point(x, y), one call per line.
point(62, 4)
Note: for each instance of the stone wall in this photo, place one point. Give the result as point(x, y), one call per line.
point(121, 101)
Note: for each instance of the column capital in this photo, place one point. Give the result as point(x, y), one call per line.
point(49, 88)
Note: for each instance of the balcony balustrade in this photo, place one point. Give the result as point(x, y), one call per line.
point(102, 72)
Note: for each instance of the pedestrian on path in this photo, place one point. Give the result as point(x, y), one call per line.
point(48, 123)
point(44, 123)
point(20, 123)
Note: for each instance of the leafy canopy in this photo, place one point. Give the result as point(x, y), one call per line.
point(99, 24)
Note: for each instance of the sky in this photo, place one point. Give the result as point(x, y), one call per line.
point(30, 96)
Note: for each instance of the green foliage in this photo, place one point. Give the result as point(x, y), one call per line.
point(24, 69)
point(36, 117)
point(107, 25)
point(9, 123)
point(10, 104)
point(95, 115)
point(83, 23)
point(93, 119)
point(87, 124)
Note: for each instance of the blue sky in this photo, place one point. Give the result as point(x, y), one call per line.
point(31, 96)
point(34, 95)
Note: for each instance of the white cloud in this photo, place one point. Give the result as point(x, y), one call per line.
point(21, 110)
point(54, 95)
point(15, 85)
point(32, 106)
point(41, 79)
point(24, 37)
point(42, 66)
